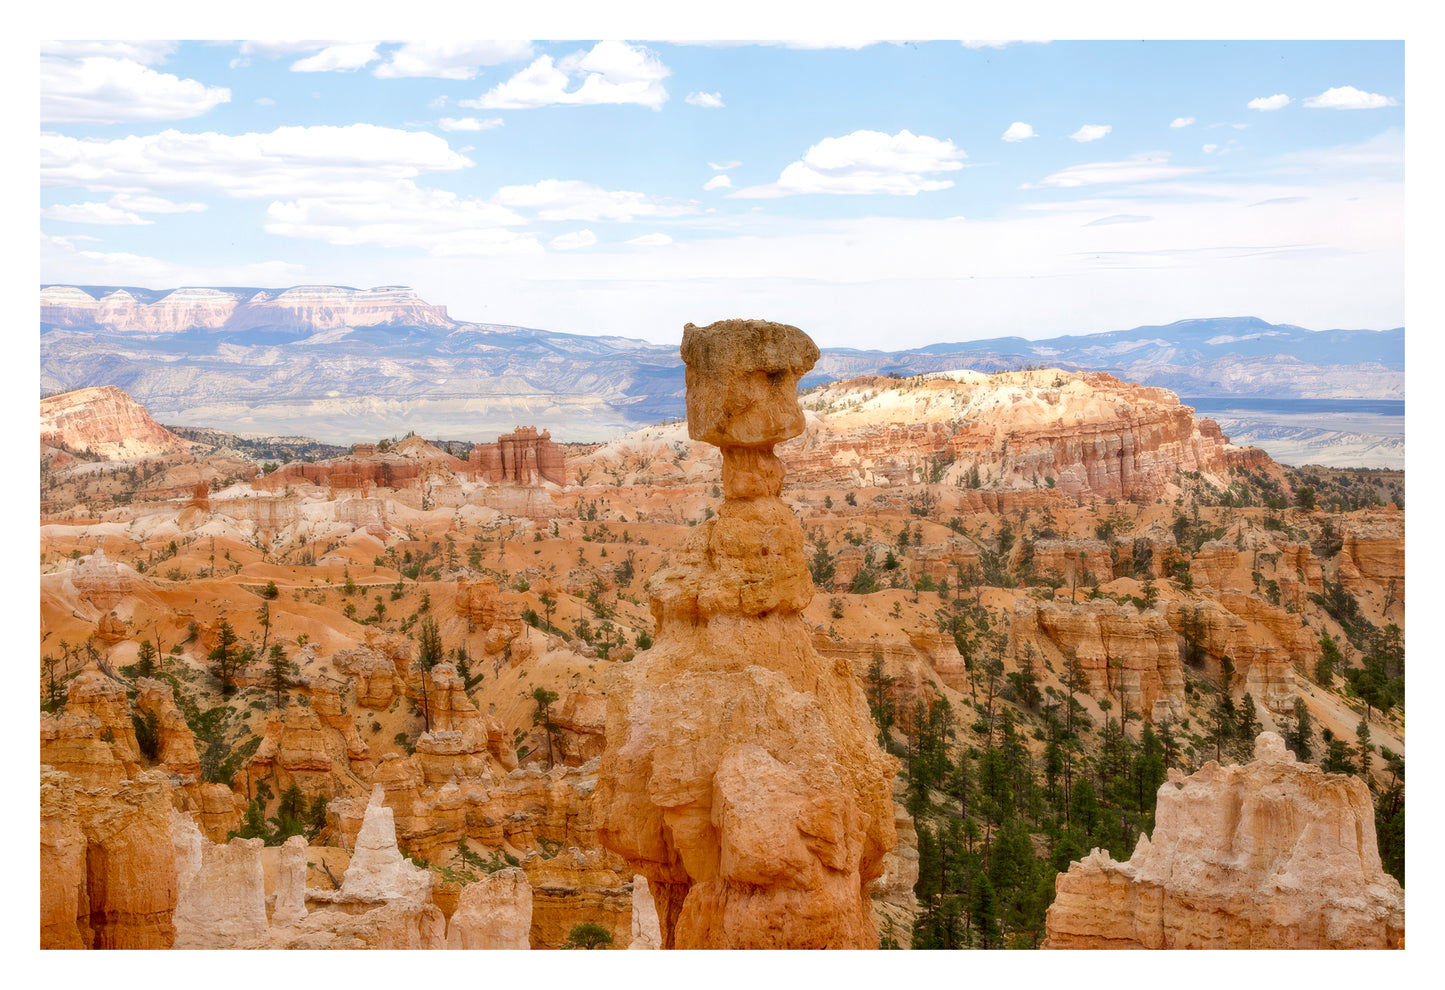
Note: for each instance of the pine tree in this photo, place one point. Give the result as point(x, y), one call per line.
point(225, 659)
point(279, 670)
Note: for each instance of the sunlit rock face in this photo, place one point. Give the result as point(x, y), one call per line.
point(1270, 855)
point(740, 775)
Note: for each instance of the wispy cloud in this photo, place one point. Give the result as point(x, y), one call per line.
point(650, 240)
point(1118, 218)
point(338, 58)
point(710, 100)
point(97, 213)
point(866, 162)
point(1091, 132)
point(144, 52)
point(468, 123)
point(450, 60)
point(571, 242)
point(1018, 131)
point(722, 166)
point(1349, 98)
point(1181, 122)
point(1275, 102)
point(288, 161)
point(433, 220)
point(611, 72)
point(554, 199)
point(103, 90)
point(1143, 168)
point(717, 182)
point(1280, 201)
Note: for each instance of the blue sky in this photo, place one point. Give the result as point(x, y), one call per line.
point(885, 195)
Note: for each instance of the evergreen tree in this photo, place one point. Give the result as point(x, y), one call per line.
point(225, 658)
point(543, 717)
point(1246, 728)
point(279, 671)
point(1299, 736)
point(145, 664)
point(983, 909)
point(1362, 738)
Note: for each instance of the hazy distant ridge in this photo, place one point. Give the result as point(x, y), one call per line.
point(352, 364)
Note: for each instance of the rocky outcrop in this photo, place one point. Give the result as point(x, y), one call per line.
point(1271, 855)
point(1084, 434)
point(221, 901)
point(523, 457)
point(578, 887)
point(740, 775)
point(298, 748)
point(128, 894)
point(97, 694)
point(1374, 551)
point(75, 744)
point(1125, 653)
point(64, 881)
point(1261, 641)
point(290, 904)
point(176, 744)
point(493, 913)
point(107, 422)
point(103, 583)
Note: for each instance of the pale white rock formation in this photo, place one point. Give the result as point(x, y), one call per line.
point(290, 905)
point(646, 931)
point(221, 900)
point(378, 871)
point(1270, 855)
point(493, 913)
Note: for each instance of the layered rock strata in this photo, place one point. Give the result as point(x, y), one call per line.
point(1271, 855)
point(740, 774)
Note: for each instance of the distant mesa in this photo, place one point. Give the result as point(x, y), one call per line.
point(302, 307)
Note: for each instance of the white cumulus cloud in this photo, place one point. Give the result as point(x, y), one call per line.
point(1018, 131)
point(718, 182)
point(556, 199)
point(611, 72)
point(102, 90)
point(569, 242)
point(468, 123)
point(1091, 132)
point(450, 60)
point(1274, 102)
point(650, 240)
point(712, 100)
point(1181, 122)
point(338, 58)
point(1349, 98)
point(866, 162)
point(1143, 168)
